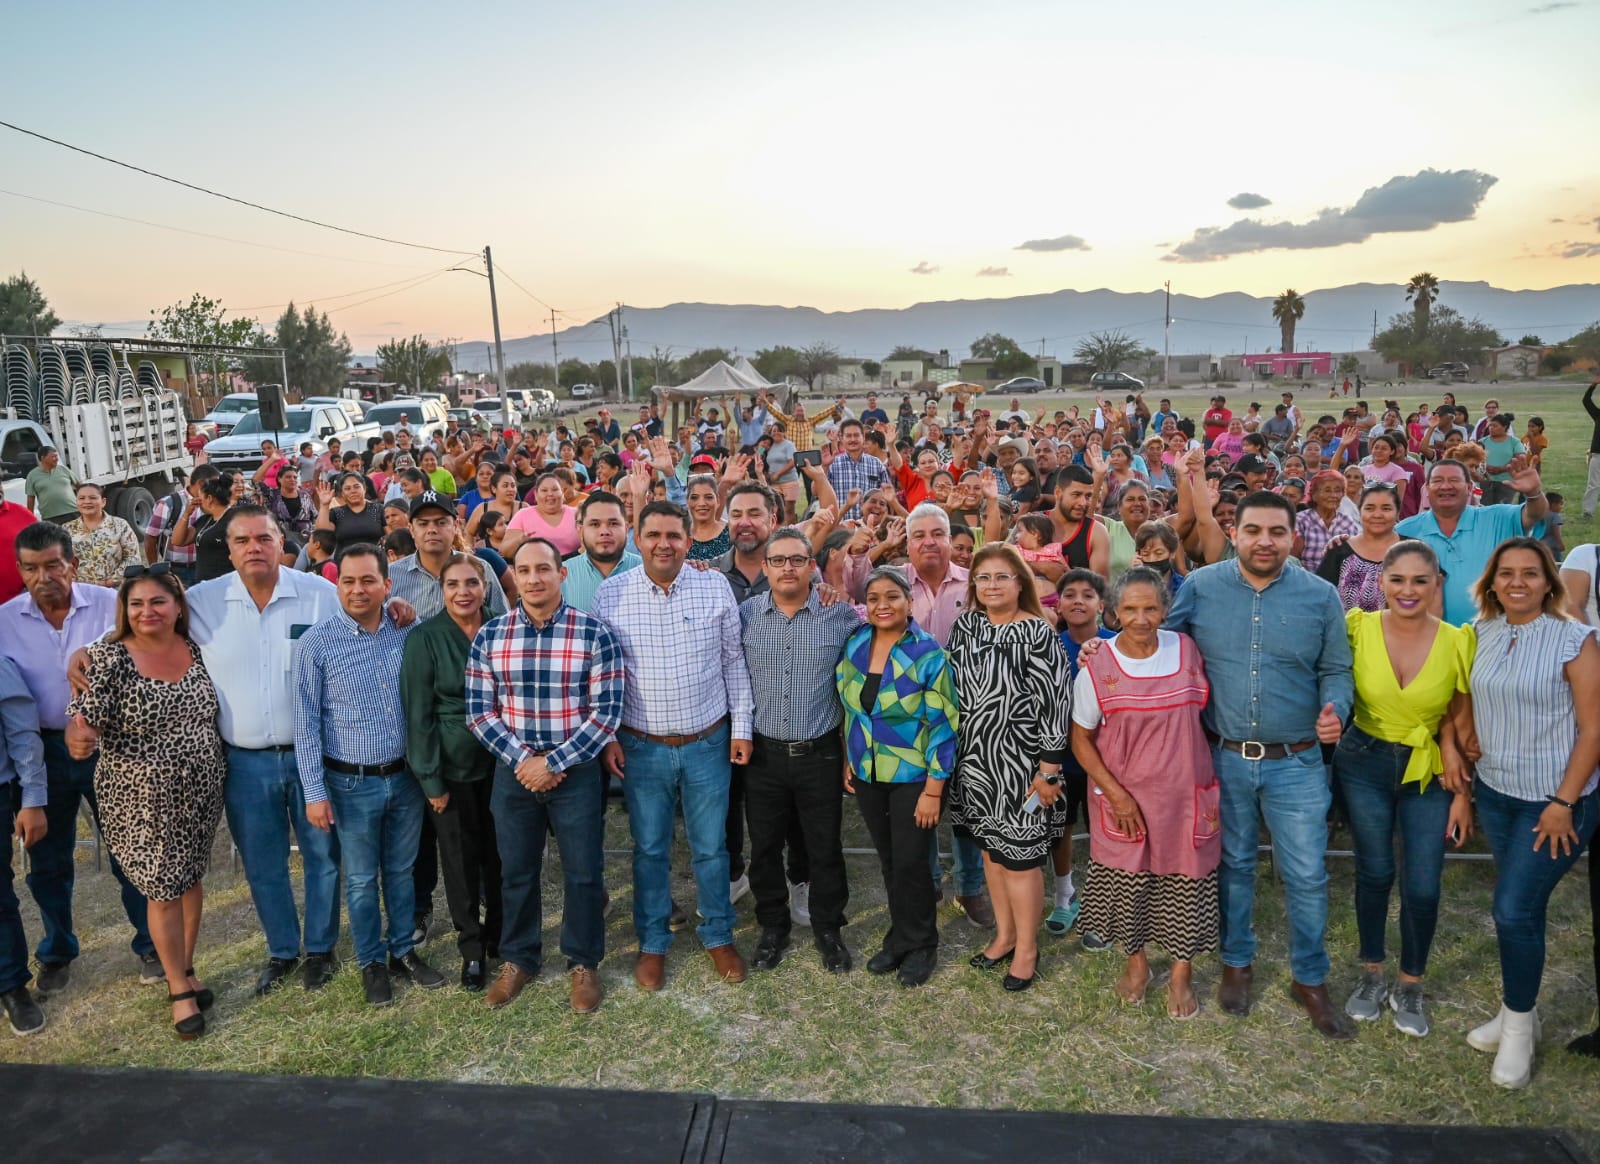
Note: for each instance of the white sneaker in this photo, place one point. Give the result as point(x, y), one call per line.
point(1513, 1063)
point(1487, 1037)
point(738, 889)
point(800, 903)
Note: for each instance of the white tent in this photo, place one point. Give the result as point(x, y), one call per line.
point(745, 368)
point(718, 380)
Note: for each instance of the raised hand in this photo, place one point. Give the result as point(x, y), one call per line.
point(1524, 477)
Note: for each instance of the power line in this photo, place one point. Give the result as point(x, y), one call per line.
point(313, 300)
point(229, 197)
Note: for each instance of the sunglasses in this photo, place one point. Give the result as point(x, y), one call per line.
point(154, 571)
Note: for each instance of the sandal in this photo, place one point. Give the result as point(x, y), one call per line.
point(204, 997)
point(195, 1025)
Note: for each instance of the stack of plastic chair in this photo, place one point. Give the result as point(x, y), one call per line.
point(55, 388)
point(80, 374)
point(149, 376)
point(20, 377)
point(127, 384)
point(104, 372)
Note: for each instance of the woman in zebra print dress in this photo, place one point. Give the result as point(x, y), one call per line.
point(1006, 793)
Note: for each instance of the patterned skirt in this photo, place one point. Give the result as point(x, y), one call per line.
point(1177, 913)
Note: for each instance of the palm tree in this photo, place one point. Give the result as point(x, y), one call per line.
point(1423, 292)
point(1288, 309)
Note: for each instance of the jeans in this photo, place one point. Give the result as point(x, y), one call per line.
point(264, 799)
point(379, 819)
point(655, 778)
point(1368, 772)
point(13, 942)
point(966, 863)
point(1524, 880)
point(889, 812)
point(1292, 795)
point(522, 820)
point(52, 864)
point(784, 793)
point(470, 861)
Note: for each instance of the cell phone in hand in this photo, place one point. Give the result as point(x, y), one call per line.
point(809, 457)
point(1033, 804)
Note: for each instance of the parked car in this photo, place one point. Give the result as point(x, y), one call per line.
point(502, 414)
point(228, 411)
point(352, 408)
point(1449, 370)
point(240, 450)
point(1021, 384)
point(1116, 381)
point(543, 401)
point(469, 419)
point(582, 391)
point(425, 418)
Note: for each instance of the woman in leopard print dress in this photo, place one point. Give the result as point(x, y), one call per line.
point(159, 778)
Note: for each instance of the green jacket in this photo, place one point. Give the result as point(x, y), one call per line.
point(433, 692)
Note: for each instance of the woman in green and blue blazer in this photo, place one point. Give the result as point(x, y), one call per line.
point(900, 742)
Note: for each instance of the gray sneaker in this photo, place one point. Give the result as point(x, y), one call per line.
point(1366, 1003)
point(1406, 1002)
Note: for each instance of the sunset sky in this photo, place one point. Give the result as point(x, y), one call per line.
point(835, 155)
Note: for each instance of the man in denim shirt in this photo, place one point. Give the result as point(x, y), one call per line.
point(1275, 648)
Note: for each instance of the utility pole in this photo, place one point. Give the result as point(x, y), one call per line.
point(555, 356)
point(1166, 339)
point(1374, 328)
point(627, 345)
point(494, 308)
point(614, 318)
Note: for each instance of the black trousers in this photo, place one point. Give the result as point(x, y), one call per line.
point(470, 860)
point(888, 811)
point(1594, 908)
point(784, 795)
point(799, 860)
point(425, 871)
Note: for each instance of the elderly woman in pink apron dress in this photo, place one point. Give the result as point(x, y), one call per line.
point(1155, 836)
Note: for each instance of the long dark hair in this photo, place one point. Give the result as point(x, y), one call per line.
point(167, 580)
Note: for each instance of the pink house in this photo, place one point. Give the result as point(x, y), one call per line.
point(1290, 364)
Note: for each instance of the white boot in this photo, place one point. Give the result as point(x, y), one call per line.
point(1487, 1037)
point(1513, 1063)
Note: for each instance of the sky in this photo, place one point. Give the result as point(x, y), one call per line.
point(833, 155)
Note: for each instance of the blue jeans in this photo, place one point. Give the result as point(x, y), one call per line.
point(52, 863)
point(655, 778)
point(966, 863)
point(263, 799)
point(1369, 772)
point(1292, 796)
point(13, 942)
point(522, 819)
point(379, 819)
point(1523, 883)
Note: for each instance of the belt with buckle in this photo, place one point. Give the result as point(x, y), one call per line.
point(387, 768)
point(1256, 750)
point(677, 741)
point(797, 747)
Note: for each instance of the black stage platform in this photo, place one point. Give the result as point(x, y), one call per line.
point(95, 1116)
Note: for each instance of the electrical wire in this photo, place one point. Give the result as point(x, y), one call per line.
point(229, 197)
point(316, 299)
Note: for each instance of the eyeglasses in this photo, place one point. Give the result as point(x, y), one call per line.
point(154, 571)
point(794, 561)
point(985, 579)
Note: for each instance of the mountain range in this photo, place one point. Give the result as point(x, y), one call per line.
point(1337, 319)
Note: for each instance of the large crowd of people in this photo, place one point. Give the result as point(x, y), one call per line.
point(424, 658)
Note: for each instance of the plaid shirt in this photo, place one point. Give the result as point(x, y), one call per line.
point(554, 689)
point(866, 474)
point(1315, 536)
point(163, 522)
point(791, 662)
point(802, 429)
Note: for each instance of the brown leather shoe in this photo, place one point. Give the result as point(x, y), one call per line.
point(1233, 993)
point(728, 961)
point(1327, 1018)
point(980, 914)
point(585, 989)
point(507, 985)
point(650, 971)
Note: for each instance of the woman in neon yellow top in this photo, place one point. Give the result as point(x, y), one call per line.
point(1398, 770)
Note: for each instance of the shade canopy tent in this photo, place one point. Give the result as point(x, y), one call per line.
point(745, 368)
point(716, 382)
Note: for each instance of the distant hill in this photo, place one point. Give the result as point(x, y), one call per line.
point(1337, 319)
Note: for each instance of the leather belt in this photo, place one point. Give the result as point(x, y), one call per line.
point(387, 768)
point(1256, 750)
point(797, 747)
point(677, 741)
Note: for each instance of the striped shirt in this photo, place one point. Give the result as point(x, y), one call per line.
point(1522, 704)
point(162, 524)
point(791, 661)
point(683, 651)
point(348, 697)
point(554, 689)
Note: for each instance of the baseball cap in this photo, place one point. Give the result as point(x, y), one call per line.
point(702, 461)
point(1250, 463)
point(428, 499)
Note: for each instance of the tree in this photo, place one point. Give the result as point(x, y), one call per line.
point(576, 372)
point(871, 369)
point(696, 362)
point(1422, 291)
point(1585, 345)
point(907, 353)
point(203, 320)
point(1557, 360)
point(777, 363)
point(1444, 335)
point(1106, 351)
point(317, 360)
point(1349, 365)
point(1531, 341)
point(413, 362)
point(24, 309)
point(817, 360)
point(531, 374)
point(992, 346)
point(1288, 309)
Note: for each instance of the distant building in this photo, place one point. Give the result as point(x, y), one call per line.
point(1283, 365)
point(1514, 361)
point(903, 373)
point(1046, 368)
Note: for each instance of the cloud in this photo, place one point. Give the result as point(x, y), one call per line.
point(1403, 204)
point(1556, 6)
point(993, 272)
point(1248, 201)
point(1065, 242)
point(1580, 250)
point(924, 268)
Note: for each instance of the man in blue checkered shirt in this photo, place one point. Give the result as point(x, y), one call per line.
point(855, 468)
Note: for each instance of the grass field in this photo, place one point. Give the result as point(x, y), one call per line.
point(799, 1033)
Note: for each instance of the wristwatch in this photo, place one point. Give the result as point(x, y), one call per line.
point(1051, 777)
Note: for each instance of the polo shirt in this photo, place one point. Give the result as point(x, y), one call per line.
point(584, 578)
point(56, 489)
point(1464, 554)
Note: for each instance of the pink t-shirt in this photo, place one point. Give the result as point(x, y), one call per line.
point(1390, 472)
point(564, 534)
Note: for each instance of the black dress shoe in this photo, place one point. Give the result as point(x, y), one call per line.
point(277, 969)
point(884, 962)
point(319, 970)
point(982, 961)
point(21, 1011)
point(472, 975)
point(421, 924)
point(205, 998)
point(52, 979)
point(917, 967)
point(835, 955)
point(1015, 985)
point(769, 950)
point(414, 968)
point(375, 984)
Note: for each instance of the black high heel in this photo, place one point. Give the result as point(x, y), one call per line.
point(192, 1027)
point(204, 997)
point(982, 961)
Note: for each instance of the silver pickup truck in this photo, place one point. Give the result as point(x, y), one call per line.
point(240, 450)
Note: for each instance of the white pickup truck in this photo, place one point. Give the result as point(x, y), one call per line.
point(130, 447)
point(240, 450)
